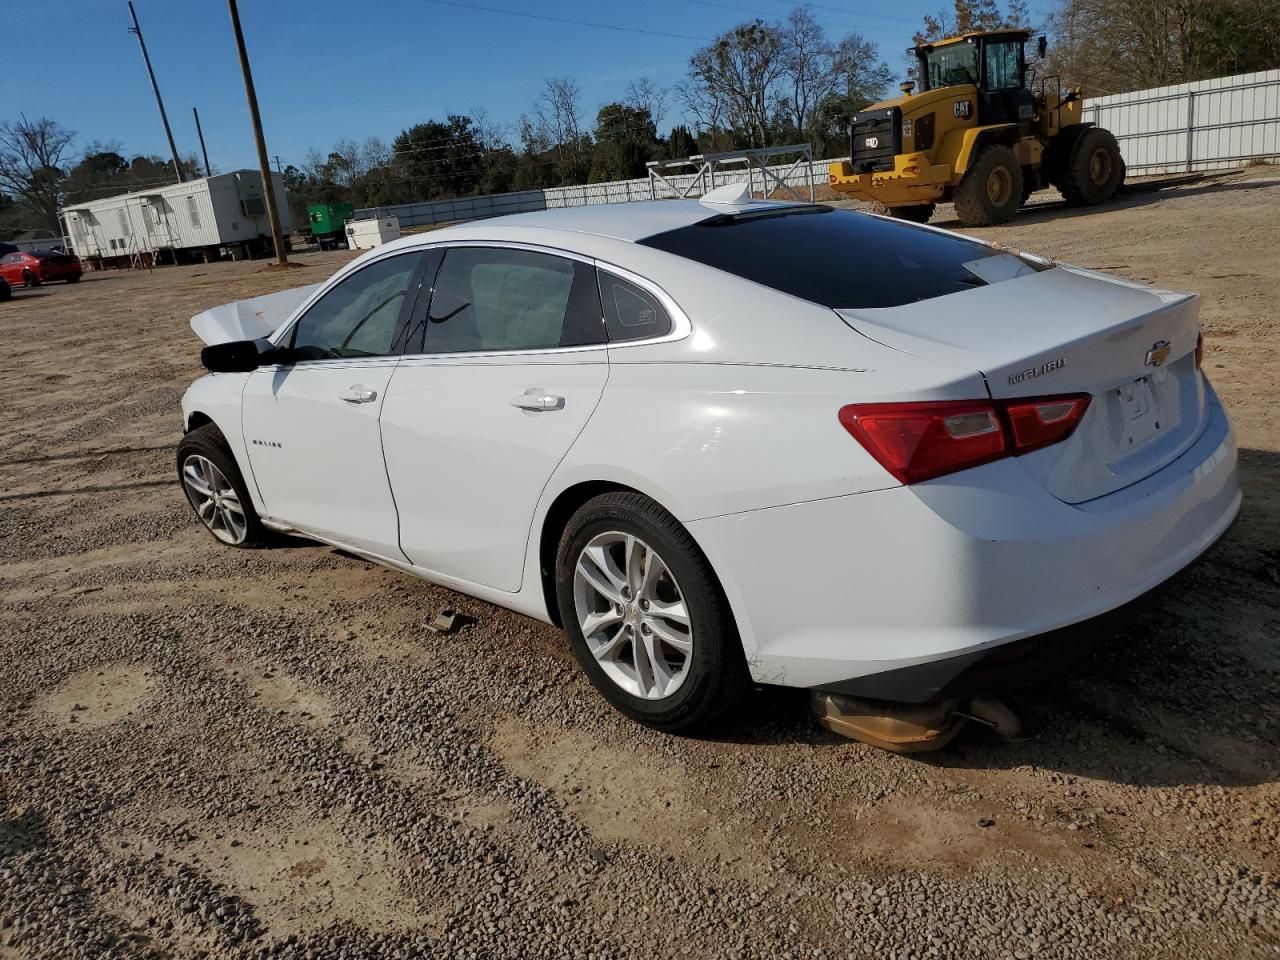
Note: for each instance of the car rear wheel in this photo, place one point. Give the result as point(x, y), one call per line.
point(645, 614)
point(216, 490)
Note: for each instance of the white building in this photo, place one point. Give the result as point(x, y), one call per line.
point(227, 211)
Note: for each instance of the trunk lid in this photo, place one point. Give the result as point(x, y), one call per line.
point(1065, 330)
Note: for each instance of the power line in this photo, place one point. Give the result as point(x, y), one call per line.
point(575, 23)
point(854, 13)
point(797, 6)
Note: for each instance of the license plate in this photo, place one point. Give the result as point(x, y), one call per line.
point(1141, 412)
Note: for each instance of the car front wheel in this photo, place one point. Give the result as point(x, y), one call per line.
point(645, 615)
point(216, 490)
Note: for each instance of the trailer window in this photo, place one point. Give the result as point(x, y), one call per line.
point(194, 212)
point(836, 258)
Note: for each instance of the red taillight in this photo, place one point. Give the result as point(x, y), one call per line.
point(1199, 350)
point(1042, 421)
point(920, 441)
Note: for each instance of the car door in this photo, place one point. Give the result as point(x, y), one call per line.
point(311, 424)
point(512, 365)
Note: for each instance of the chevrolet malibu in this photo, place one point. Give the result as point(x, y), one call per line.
point(724, 441)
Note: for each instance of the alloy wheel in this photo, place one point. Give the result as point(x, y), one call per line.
point(214, 499)
point(633, 615)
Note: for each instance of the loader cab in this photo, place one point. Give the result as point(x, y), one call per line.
point(995, 63)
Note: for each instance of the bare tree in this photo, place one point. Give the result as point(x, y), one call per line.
point(705, 110)
point(32, 154)
point(315, 165)
point(347, 162)
point(971, 15)
point(644, 94)
point(489, 134)
point(740, 71)
point(557, 122)
point(861, 77)
point(375, 153)
point(1112, 48)
point(811, 67)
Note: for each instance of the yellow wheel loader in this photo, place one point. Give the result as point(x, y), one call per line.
point(976, 134)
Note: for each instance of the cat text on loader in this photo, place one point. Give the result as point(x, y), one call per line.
point(976, 134)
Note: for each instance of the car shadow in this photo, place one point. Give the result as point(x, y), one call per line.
point(1177, 691)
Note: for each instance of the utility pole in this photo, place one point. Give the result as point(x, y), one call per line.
point(278, 170)
point(173, 148)
point(268, 182)
point(208, 170)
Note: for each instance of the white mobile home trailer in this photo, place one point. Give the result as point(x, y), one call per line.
point(181, 221)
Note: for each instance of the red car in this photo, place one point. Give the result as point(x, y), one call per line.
point(33, 269)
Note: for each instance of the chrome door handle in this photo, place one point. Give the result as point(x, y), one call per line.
point(535, 398)
point(358, 394)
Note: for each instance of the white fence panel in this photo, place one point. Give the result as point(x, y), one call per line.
point(1207, 125)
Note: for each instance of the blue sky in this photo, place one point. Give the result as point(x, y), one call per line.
point(326, 69)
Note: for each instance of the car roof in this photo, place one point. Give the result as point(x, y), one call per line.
point(618, 221)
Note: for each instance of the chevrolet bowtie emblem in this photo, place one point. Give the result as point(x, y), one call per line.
point(1158, 353)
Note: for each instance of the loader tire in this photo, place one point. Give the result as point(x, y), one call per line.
point(1094, 169)
point(991, 189)
point(914, 212)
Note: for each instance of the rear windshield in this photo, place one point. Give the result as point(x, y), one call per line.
point(837, 258)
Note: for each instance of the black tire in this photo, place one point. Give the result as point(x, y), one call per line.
point(29, 279)
point(1094, 169)
point(717, 670)
point(208, 442)
point(991, 189)
point(914, 212)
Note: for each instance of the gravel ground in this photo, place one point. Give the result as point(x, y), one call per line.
point(207, 752)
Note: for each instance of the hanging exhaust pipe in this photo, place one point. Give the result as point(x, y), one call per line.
point(909, 728)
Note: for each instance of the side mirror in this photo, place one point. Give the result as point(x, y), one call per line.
point(238, 356)
point(1042, 46)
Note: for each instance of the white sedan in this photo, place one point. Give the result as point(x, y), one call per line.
point(725, 442)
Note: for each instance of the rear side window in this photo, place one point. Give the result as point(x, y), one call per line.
point(836, 258)
point(496, 298)
point(631, 313)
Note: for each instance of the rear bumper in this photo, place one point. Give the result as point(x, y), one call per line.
point(53, 274)
point(896, 593)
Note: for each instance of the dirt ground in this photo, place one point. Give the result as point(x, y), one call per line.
point(215, 752)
